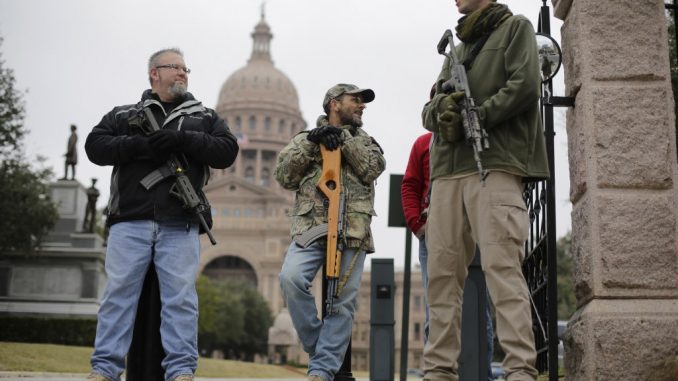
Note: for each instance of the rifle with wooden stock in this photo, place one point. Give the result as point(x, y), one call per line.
point(330, 185)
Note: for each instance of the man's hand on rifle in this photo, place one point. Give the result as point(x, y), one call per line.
point(140, 148)
point(165, 142)
point(330, 136)
point(450, 126)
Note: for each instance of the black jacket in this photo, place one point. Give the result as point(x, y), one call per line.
point(207, 143)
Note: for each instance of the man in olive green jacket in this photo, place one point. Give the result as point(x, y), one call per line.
point(299, 168)
point(500, 54)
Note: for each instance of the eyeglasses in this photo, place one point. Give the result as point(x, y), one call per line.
point(175, 67)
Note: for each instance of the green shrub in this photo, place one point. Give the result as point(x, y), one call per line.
point(67, 331)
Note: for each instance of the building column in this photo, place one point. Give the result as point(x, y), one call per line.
point(239, 170)
point(257, 168)
point(622, 156)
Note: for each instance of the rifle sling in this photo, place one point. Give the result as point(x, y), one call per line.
point(468, 62)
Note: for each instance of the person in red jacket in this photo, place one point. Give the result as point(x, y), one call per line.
point(414, 193)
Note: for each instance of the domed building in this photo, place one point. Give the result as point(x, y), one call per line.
point(249, 208)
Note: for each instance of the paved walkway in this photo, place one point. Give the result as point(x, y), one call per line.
point(33, 376)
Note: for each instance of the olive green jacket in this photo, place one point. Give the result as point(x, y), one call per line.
point(299, 167)
point(505, 85)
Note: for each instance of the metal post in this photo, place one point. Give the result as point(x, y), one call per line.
point(382, 320)
point(344, 373)
point(146, 352)
point(473, 355)
point(404, 335)
point(551, 312)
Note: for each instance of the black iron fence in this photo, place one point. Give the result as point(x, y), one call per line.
point(539, 266)
point(673, 7)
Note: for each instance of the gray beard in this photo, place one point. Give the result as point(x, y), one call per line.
point(177, 90)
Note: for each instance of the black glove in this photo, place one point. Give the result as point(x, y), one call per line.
point(329, 136)
point(138, 145)
point(333, 141)
point(166, 141)
point(140, 148)
point(316, 135)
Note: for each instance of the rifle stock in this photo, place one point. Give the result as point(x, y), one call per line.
point(330, 185)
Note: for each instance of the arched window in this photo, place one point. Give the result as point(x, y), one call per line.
point(253, 123)
point(267, 123)
point(265, 177)
point(281, 126)
point(249, 174)
point(232, 268)
point(238, 124)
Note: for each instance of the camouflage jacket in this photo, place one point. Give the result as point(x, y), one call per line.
point(299, 167)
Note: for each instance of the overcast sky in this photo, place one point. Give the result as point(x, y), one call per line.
point(78, 58)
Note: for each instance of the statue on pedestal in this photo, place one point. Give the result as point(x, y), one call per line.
point(71, 154)
point(91, 209)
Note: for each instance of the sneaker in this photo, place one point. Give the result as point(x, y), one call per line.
point(315, 377)
point(97, 377)
point(183, 377)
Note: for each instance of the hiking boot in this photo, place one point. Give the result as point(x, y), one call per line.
point(183, 377)
point(97, 377)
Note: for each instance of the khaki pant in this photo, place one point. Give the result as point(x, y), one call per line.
point(463, 213)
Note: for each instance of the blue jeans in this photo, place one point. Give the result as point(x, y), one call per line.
point(325, 340)
point(423, 263)
point(175, 251)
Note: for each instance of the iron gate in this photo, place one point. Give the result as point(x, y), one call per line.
point(673, 7)
point(539, 266)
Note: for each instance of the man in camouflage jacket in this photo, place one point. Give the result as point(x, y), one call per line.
point(299, 168)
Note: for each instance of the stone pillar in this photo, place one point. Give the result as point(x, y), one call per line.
point(623, 171)
point(257, 167)
point(239, 170)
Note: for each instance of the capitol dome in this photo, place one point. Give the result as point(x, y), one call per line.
point(261, 107)
point(259, 82)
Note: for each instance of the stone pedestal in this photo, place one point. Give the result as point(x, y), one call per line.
point(622, 155)
point(65, 277)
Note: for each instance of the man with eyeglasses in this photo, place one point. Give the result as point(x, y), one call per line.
point(147, 222)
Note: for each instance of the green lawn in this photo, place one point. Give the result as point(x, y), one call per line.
point(50, 358)
point(68, 359)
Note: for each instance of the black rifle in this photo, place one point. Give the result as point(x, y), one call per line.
point(182, 188)
point(474, 135)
